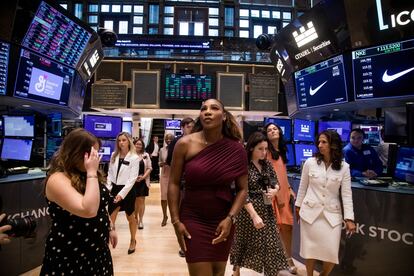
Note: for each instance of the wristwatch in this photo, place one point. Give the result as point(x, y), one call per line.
point(232, 218)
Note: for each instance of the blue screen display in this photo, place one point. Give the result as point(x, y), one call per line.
point(44, 80)
point(303, 152)
point(321, 84)
point(172, 124)
point(284, 124)
point(303, 130)
point(127, 127)
point(54, 124)
point(108, 146)
point(372, 134)
point(52, 145)
point(376, 77)
point(103, 126)
point(405, 164)
point(21, 126)
point(342, 127)
point(16, 149)
point(290, 156)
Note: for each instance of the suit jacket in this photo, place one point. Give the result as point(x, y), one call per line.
point(127, 175)
point(320, 191)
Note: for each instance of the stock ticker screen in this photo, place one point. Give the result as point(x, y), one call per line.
point(189, 87)
point(56, 36)
point(4, 60)
point(321, 84)
point(384, 71)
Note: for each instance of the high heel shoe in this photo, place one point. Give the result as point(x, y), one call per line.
point(130, 251)
point(292, 268)
point(164, 221)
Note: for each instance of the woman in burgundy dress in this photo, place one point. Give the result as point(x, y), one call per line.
point(210, 160)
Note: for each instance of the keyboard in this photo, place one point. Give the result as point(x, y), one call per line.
point(374, 182)
point(18, 170)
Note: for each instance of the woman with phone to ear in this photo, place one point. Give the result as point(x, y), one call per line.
point(325, 180)
point(77, 198)
point(122, 174)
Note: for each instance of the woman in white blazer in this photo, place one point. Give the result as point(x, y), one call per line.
point(122, 173)
point(325, 180)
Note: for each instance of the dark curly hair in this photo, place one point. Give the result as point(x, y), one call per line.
point(282, 150)
point(335, 145)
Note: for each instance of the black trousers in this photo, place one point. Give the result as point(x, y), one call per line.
point(155, 173)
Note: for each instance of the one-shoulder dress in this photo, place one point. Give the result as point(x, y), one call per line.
point(208, 198)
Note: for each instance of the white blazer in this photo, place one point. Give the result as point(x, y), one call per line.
point(127, 175)
point(320, 191)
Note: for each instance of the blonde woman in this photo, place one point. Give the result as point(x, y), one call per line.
point(122, 173)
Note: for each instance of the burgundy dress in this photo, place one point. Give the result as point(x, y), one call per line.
point(208, 198)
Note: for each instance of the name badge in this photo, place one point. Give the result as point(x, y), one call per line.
point(366, 152)
point(125, 162)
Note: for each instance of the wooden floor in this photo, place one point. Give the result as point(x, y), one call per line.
point(157, 248)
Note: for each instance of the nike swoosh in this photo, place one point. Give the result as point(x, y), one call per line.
point(389, 78)
point(313, 91)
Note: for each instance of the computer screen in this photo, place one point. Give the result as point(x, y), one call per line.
point(16, 149)
point(127, 126)
point(42, 79)
point(284, 124)
point(343, 128)
point(172, 124)
point(4, 65)
point(322, 84)
point(303, 152)
point(405, 164)
point(103, 126)
point(56, 36)
point(376, 77)
point(303, 130)
point(372, 134)
point(20, 126)
point(108, 146)
point(54, 124)
point(52, 145)
point(290, 156)
point(189, 87)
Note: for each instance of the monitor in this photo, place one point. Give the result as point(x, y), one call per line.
point(103, 126)
point(404, 169)
point(20, 126)
point(54, 124)
point(127, 126)
point(56, 36)
point(321, 84)
point(4, 66)
point(42, 79)
point(303, 152)
point(52, 145)
point(284, 124)
point(372, 134)
point(342, 127)
point(172, 124)
point(290, 156)
point(106, 150)
point(375, 77)
point(16, 149)
point(189, 87)
point(303, 130)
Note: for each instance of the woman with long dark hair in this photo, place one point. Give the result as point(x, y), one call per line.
point(281, 203)
point(77, 198)
point(257, 243)
point(210, 159)
point(325, 182)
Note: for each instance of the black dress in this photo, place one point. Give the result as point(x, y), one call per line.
point(78, 246)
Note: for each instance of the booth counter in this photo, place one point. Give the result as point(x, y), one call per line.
point(20, 196)
point(384, 240)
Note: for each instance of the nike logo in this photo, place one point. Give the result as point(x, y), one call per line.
point(313, 91)
point(389, 78)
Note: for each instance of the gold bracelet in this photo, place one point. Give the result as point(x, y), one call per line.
point(175, 222)
point(91, 176)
